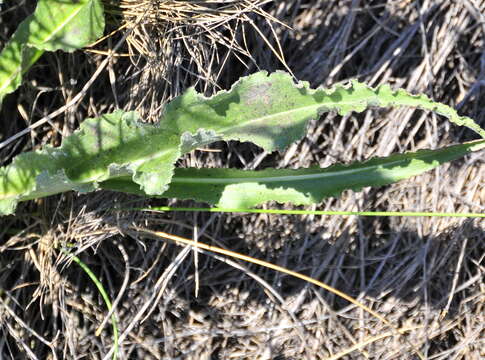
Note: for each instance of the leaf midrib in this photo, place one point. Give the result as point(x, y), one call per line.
point(286, 178)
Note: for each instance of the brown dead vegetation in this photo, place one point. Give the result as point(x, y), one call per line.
point(423, 274)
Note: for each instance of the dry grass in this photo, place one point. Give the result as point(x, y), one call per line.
point(422, 273)
point(174, 44)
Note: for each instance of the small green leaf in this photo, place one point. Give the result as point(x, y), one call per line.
point(55, 25)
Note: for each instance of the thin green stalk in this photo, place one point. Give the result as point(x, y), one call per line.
point(313, 212)
point(104, 295)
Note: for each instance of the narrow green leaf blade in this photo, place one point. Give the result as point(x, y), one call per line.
point(55, 25)
point(230, 188)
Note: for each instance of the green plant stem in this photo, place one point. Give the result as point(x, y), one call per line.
point(314, 212)
point(104, 295)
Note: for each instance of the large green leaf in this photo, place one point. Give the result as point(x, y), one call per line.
point(271, 111)
point(55, 25)
point(240, 189)
point(113, 145)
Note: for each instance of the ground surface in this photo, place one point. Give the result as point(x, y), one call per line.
point(423, 274)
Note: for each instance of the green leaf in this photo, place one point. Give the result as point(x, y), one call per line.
point(270, 111)
point(113, 145)
point(55, 25)
point(240, 189)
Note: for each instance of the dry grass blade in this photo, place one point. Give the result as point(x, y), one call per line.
point(369, 341)
point(182, 43)
point(249, 259)
point(428, 271)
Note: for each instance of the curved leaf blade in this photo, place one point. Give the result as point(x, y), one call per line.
point(54, 25)
point(272, 111)
point(240, 189)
